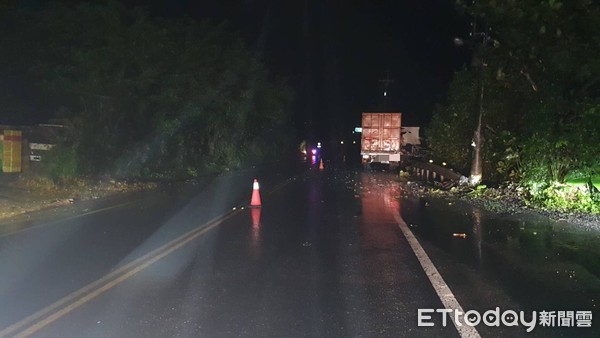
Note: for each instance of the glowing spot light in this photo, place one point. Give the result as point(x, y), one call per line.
point(313, 151)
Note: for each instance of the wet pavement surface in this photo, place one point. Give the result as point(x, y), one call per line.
point(536, 264)
point(323, 256)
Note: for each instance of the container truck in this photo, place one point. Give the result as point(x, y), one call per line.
point(381, 139)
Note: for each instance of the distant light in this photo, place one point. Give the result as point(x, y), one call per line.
point(384, 93)
point(358, 129)
point(314, 151)
point(443, 163)
point(365, 156)
point(313, 160)
point(473, 144)
point(318, 144)
point(353, 142)
point(341, 142)
point(430, 161)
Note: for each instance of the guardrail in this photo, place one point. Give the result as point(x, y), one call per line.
point(433, 172)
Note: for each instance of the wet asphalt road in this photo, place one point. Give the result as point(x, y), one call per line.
point(323, 257)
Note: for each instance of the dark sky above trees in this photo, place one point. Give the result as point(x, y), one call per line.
point(335, 52)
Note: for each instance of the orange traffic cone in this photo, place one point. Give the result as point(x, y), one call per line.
point(255, 202)
point(321, 165)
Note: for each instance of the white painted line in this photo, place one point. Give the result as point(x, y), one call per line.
point(41, 225)
point(438, 283)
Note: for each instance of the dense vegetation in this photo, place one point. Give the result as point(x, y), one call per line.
point(142, 96)
point(541, 100)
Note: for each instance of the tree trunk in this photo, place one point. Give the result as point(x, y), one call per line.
point(477, 164)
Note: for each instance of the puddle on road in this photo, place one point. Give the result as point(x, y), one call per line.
point(531, 256)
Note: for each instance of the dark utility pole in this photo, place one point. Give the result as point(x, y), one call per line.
point(477, 164)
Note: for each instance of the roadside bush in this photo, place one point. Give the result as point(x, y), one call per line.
point(60, 164)
point(564, 197)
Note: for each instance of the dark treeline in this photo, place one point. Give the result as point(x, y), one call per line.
point(142, 96)
point(539, 66)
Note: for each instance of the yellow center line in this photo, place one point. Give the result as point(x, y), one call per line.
point(279, 186)
point(74, 300)
point(53, 312)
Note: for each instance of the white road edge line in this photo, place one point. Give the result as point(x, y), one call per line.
point(438, 283)
point(68, 218)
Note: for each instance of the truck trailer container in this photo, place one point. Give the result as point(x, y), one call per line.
point(381, 138)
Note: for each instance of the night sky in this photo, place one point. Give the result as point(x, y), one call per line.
point(334, 53)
